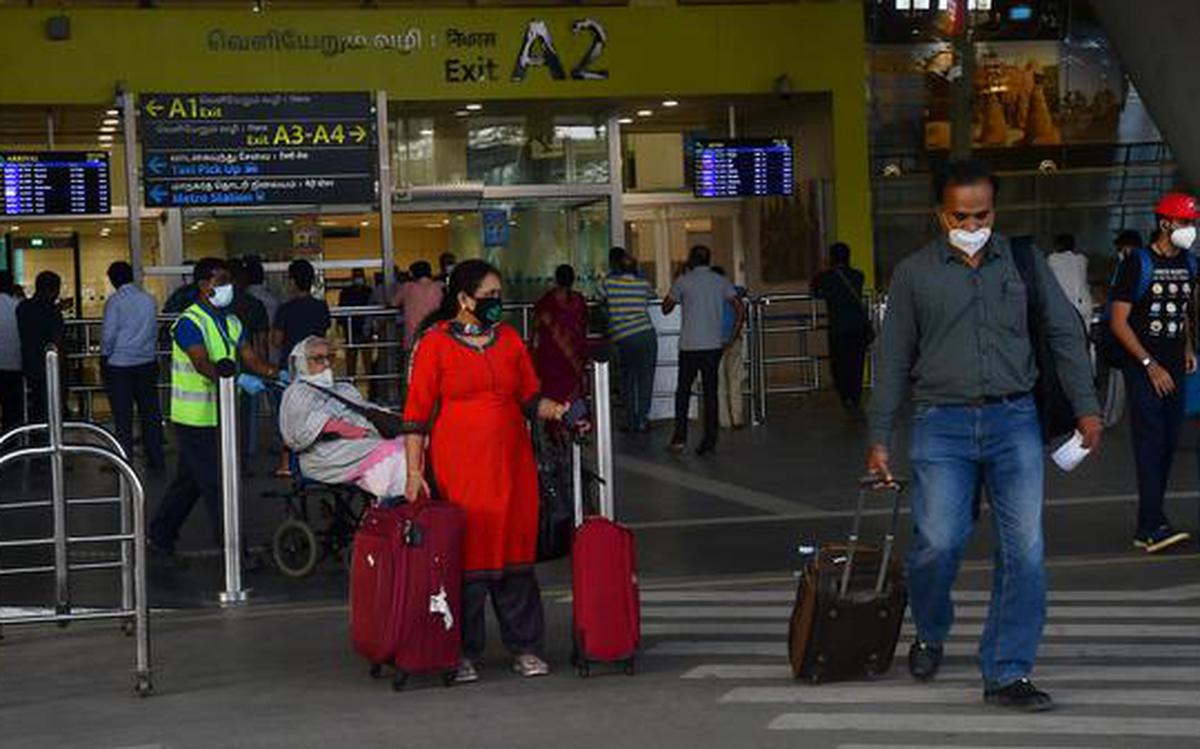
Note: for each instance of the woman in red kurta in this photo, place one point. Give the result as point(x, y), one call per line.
point(471, 385)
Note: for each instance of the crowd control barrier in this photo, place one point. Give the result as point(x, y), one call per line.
point(133, 609)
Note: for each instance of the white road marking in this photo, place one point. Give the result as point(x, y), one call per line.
point(788, 595)
point(1051, 674)
point(942, 723)
point(953, 746)
point(831, 694)
point(675, 627)
point(725, 490)
point(1049, 650)
point(782, 613)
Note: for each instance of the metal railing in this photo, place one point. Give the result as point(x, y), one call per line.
point(131, 500)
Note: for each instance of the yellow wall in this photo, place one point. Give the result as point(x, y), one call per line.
point(651, 52)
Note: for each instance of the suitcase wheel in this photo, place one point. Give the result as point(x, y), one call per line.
point(399, 680)
point(448, 678)
point(630, 668)
point(583, 668)
point(376, 670)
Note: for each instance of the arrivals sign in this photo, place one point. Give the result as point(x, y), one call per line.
point(45, 183)
point(213, 150)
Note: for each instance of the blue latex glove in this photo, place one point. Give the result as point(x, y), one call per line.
point(285, 377)
point(251, 384)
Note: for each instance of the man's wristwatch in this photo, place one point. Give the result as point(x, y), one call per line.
point(1147, 362)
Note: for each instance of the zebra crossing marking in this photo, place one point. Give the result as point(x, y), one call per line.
point(960, 612)
point(780, 595)
point(1047, 650)
point(1052, 674)
point(1165, 631)
point(833, 694)
point(984, 723)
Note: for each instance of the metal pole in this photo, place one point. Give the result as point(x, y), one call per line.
point(616, 183)
point(133, 192)
point(233, 594)
point(602, 401)
point(387, 250)
point(762, 358)
point(58, 494)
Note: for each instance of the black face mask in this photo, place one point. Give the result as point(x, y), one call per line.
point(488, 311)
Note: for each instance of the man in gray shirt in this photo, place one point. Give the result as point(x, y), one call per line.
point(128, 341)
point(703, 295)
point(957, 334)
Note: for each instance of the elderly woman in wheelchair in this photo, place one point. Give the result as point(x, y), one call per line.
point(348, 452)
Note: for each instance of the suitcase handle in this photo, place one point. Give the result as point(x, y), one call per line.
point(872, 484)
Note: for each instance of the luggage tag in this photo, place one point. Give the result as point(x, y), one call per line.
point(439, 604)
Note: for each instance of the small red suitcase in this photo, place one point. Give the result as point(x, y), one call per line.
point(413, 622)
point(607, 611)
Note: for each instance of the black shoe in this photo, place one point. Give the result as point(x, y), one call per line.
point(164, 557)
point(706, 450)
point(924, 660)
point(1020, 695)
point(1157, 540)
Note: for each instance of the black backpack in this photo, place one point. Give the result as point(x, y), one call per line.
point(1054, 409)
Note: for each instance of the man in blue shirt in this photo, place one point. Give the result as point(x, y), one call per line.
point(127, 360)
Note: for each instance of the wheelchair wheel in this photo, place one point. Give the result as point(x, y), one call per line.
point(294, 548)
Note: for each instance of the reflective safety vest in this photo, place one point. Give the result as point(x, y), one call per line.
point(194, 396)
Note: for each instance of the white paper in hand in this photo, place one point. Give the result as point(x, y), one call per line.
point(1071, 453)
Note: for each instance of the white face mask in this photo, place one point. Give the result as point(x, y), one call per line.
point(970, 242)
point(1184, 237)
point(324, 378)
point(222, 296)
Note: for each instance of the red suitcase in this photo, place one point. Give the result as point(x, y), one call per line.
point(607, 611)
point(413, 622)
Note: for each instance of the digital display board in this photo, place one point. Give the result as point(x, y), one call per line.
point(742, 167)
point(203, 150)
point(50, 183)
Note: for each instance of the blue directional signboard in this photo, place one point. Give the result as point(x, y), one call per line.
point(213, 150)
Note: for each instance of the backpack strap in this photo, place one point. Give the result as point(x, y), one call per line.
point(1022, 248)
point(1145, 272)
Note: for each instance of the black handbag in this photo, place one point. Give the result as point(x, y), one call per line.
point(556, 504)
point(1054, 409)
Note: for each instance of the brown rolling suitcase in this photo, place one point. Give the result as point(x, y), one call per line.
point(849, 604)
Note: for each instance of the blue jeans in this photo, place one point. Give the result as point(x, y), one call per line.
point(639, 357)
point(956, 450)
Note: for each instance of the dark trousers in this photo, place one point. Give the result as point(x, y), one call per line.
point(127, 386)
point(639, 357)
point(847, 353)
point(12, 399)
point(1156, 423)
point(707, 363)
point(35, 380)
point(199, 474)
point(517, 601)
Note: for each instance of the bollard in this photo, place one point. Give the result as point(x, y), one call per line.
point(234, 594)
point(604, 451)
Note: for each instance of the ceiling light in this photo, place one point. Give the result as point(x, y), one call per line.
point(258, 6)
point(287, 221)
point(106, 138)
point(111, 122)
point(670, 103)
point(197, 224)
point(427, 132)
point(645, 113)
point(364, 223)
point(14, 227)
point(474, 107)
point(462, 113)
point(625, 121)
point(273, 229)
point(111, 113)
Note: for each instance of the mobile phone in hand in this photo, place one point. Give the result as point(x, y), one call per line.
point(577, 412)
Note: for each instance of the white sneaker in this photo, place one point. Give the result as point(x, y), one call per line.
point(466, 672)
point(529, 665)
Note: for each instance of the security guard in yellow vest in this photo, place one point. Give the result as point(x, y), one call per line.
point(203, 335)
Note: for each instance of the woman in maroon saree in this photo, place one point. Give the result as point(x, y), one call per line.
point(560, 338)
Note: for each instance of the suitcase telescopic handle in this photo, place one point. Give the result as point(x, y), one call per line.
point(865, 485)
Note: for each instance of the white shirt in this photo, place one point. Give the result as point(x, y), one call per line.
point(10, 337)
point(1071, 271)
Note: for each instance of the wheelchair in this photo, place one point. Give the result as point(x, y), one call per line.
point(319, 522)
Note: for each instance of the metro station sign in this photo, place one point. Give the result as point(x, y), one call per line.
point(212, 150)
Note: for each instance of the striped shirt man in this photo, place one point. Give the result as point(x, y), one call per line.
point(628, 297)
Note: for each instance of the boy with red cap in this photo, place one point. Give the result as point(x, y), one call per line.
point(1152, 297)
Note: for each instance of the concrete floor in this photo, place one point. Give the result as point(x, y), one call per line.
point(716, 540)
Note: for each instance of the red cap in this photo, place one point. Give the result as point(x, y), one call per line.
point(1177, 205)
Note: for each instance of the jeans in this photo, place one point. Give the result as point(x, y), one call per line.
point(517, 601)
point(706, 363)
point(127, 386)
point(199, 475)
point(12, 399)
point(956, 450)
point(639, 358)
point(1156, 423)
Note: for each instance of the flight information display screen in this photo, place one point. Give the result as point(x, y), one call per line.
point(742, 167)
point(49, 183)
